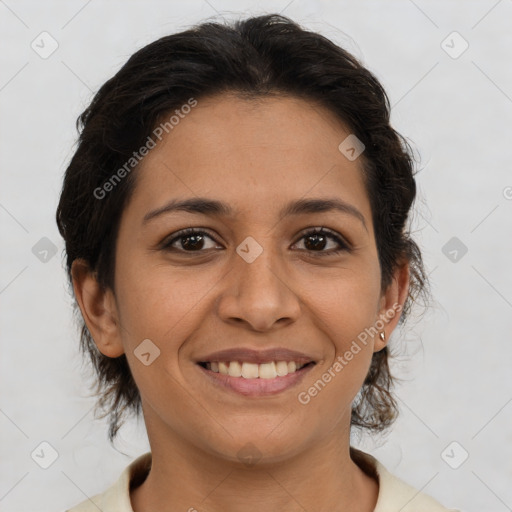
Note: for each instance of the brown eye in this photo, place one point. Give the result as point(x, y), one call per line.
point(315, 241)
point(318, 240)
point(190, 240)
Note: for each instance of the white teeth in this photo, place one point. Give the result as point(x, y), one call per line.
point(269, 370)
point(250, 371)
point(235, 369)
point(282, 368)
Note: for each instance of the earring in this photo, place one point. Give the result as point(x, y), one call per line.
point(382, 335)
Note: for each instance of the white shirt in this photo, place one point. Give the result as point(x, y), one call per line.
point(394, 494)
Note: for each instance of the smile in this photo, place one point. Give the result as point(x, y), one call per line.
point(252, 379)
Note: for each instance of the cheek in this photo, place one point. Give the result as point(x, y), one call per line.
point(345, 310)
point(154, 299)
point(164, 303)
point(161, 305)
point(346, 323)
point(346, 301)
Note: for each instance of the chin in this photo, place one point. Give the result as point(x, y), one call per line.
point(255, 445)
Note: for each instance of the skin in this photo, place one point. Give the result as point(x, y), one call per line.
point(257, 156)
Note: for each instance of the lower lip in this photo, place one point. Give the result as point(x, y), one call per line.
point(257, 387)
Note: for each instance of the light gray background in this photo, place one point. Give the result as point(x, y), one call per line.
point(456, 111)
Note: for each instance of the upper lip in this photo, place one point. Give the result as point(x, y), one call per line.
point(257, 356)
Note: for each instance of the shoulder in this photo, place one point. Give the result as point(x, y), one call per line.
point(117, 497)
point(394, 494)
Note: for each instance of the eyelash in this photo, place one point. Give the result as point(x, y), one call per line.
point(344, 246)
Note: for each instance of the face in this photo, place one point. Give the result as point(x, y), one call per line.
point(252, 277)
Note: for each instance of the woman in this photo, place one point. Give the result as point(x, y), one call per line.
point(235, 226)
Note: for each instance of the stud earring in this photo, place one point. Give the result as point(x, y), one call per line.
point(382, 336)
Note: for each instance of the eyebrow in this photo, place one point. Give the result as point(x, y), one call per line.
point(205, 206)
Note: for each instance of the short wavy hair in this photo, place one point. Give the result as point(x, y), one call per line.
point(253, 58)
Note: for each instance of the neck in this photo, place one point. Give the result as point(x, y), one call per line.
point(186, 478)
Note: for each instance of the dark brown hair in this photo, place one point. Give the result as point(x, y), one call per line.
point(253, 58)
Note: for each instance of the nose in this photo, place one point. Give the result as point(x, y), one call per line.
point(258, 294)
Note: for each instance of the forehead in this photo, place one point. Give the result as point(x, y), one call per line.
point(251, 154)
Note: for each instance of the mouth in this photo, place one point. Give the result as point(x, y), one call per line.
point(255, 379)
point(247, 370)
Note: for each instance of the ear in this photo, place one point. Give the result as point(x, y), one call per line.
point(391, 304)
point(98, 308)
